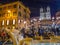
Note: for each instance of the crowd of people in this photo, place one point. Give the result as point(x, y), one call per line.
point(40, 31)
point(31, 32)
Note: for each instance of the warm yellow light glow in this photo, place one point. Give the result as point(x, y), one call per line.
point(24, 22)
point(7, 22)
point(13, 21)
point(3, 22)
point(13, 27)
point(9, 11)
point(10, 15)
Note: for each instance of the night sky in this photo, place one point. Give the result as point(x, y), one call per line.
point(35, 5)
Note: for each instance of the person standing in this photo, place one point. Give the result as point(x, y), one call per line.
point(3, 35)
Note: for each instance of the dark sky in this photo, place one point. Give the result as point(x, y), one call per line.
point(35, 5)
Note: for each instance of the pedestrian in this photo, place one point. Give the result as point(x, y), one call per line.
point(3, 35)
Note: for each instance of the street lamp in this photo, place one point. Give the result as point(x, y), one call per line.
point(9, 13)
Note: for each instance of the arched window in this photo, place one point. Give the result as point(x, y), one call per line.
point(3, 22)
point(13, 21)
point(7, 22)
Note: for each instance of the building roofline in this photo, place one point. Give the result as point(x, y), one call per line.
point(8, 3)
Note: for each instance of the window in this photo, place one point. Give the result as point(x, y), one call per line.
point(14, 13)
point(19, 13)
point(3, 14)
point(4, 8)
point(8, 14)
point(48, 9)
point(19, 6)
point(0, 15)
point(18, 21)
point(25, 16)
point(3, 22)
point(9, 7)
point(0, 9)
point(44, 10)
point(13, 21)
point(24, 10)
point(7, 22)
point(15, 6)
point(44, 15)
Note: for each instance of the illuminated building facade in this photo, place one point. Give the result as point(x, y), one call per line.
point(14, 15)
point(45, 15)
